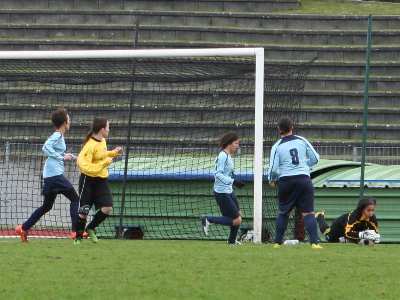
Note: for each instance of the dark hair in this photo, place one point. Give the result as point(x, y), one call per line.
point(285, 124)
point(97, 125)
point(362, 204)
point(59, 117)
point(228, 139)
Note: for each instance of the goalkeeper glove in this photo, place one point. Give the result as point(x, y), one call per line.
point(370, 235)
point(238, 184)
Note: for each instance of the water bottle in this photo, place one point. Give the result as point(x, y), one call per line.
point(291, 242)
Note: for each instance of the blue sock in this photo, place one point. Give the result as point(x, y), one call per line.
point(310, 223)
point(281, 224)
point(220, 220)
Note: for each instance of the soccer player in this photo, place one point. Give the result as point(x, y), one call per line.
point(291, 158)
point(93, 162)
point(358, 226)
point(54, 181)
point(223, 190)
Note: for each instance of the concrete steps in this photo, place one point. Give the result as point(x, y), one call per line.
point(198, 18)
point(339, 146)
point(193, 130)
point(199, 33)
point(339, 53)
point(322, 98)
point(332, 98)
point(185, 5)
point(169, 112)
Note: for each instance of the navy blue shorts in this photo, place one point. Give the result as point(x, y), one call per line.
point(228, 205)
point(295, 191)
point(56, 185)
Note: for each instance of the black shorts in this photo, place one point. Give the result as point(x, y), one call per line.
point(295, 191)
point(94, 190)
point(228, 205)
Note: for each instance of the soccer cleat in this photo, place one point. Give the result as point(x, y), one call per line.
point(316, 246)
point(92, 235)
point(77, 241)
point(205, 224)
point(23, 235)
point(236, 243)
point(72, 235)
point(277, 246)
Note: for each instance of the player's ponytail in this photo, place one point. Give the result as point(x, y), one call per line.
point(88, 136)
point(97, 125)
point(227, 139)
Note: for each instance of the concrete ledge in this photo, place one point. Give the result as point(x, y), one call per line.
point(203, 5)
point(199, 33)
point(153, 142)
point(244, 19)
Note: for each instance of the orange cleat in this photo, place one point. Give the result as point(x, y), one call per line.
point(22, 233)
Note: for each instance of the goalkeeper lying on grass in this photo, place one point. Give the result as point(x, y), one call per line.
point(359, 226)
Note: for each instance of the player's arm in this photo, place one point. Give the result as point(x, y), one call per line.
point(273, 169)
point(102, 153)
point(373, 224)
point(219, 169)
point(48, 147)
point(114, 153)
point(350, 232)
point(313, 156)
point(86, 165)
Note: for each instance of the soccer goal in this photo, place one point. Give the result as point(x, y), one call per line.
point(167, 108)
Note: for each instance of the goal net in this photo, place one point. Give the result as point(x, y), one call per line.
point(167, 108)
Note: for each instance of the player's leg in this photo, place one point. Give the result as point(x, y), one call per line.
point(104, 203)
point(230, 215)
point(237, 220)
point(66, 188)
point(324, 228)
point(49, 194)
point(48, 202)
point(286, 201)
point(221, 199)
point(85, 201)
point(305, 202)
point(98, 218)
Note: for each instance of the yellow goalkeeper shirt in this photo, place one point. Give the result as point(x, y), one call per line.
point(94, 159)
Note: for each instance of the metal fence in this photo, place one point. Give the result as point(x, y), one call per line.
point(383, 155)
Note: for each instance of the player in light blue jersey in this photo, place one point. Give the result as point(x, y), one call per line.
point(291, 160)
point(54, 182)
point(224, 180)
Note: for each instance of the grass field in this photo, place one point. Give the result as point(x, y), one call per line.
point(347, 7)
point(55, 269)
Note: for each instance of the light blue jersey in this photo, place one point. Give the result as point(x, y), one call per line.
point(54, 148)
point(223, 173)
point(292, 155)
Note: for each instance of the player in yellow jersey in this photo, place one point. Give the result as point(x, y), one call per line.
point(93, 162)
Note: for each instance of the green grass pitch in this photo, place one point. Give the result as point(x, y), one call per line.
point(114, 269)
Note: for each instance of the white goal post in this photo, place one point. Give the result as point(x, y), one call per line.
point(258, 53)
